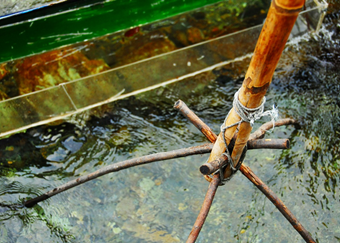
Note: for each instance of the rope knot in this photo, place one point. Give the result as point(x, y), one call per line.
point(249, 115)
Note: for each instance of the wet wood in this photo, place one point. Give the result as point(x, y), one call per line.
point(213, 166)
point(275, 32)
point(246, 171)
point(259, 133)
point(209, 197)
point(268, 144)
point(277, 202)
point(202, 149)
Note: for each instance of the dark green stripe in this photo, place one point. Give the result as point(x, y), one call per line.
point(78, 25)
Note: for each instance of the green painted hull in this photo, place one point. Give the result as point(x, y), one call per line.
point(46, 33)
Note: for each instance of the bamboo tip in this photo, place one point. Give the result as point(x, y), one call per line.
point(287, 144)
point(178, 104)
point(205, 169)
point(290, 4)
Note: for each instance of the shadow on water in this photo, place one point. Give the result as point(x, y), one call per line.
point(159, 202)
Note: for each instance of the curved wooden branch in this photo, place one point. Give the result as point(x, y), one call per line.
point(209, 197)
point(202, 149)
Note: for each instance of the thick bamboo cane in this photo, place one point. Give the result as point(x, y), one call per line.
point(275, 32)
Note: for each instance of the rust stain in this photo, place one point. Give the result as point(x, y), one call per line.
point(253, 89)
point(3, 70)
point(256, 90)
point(53, 68)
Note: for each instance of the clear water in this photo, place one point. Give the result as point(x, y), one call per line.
point(159, 202)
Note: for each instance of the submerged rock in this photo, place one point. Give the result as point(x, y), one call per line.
point(143, 46)
point(53, 68)
point(18, 152)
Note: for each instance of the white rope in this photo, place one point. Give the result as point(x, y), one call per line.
point(249, 115)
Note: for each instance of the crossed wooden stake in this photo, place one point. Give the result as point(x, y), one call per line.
point(254, 142)
point(275, 32)
point(209, 168)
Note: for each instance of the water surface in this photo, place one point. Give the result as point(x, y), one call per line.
point(159, 202)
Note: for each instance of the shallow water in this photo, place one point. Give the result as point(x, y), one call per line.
point(159, 202)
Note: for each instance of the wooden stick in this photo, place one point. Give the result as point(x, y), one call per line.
point(246, 171)
point(268, 144)
point(213, 166)
point(202, 149)
point(209, 197)
point(277, 202)
point(211, 136)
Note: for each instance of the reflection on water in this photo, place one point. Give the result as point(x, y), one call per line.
point(159, 202)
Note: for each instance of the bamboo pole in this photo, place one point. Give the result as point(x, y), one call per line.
point(275, 32)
